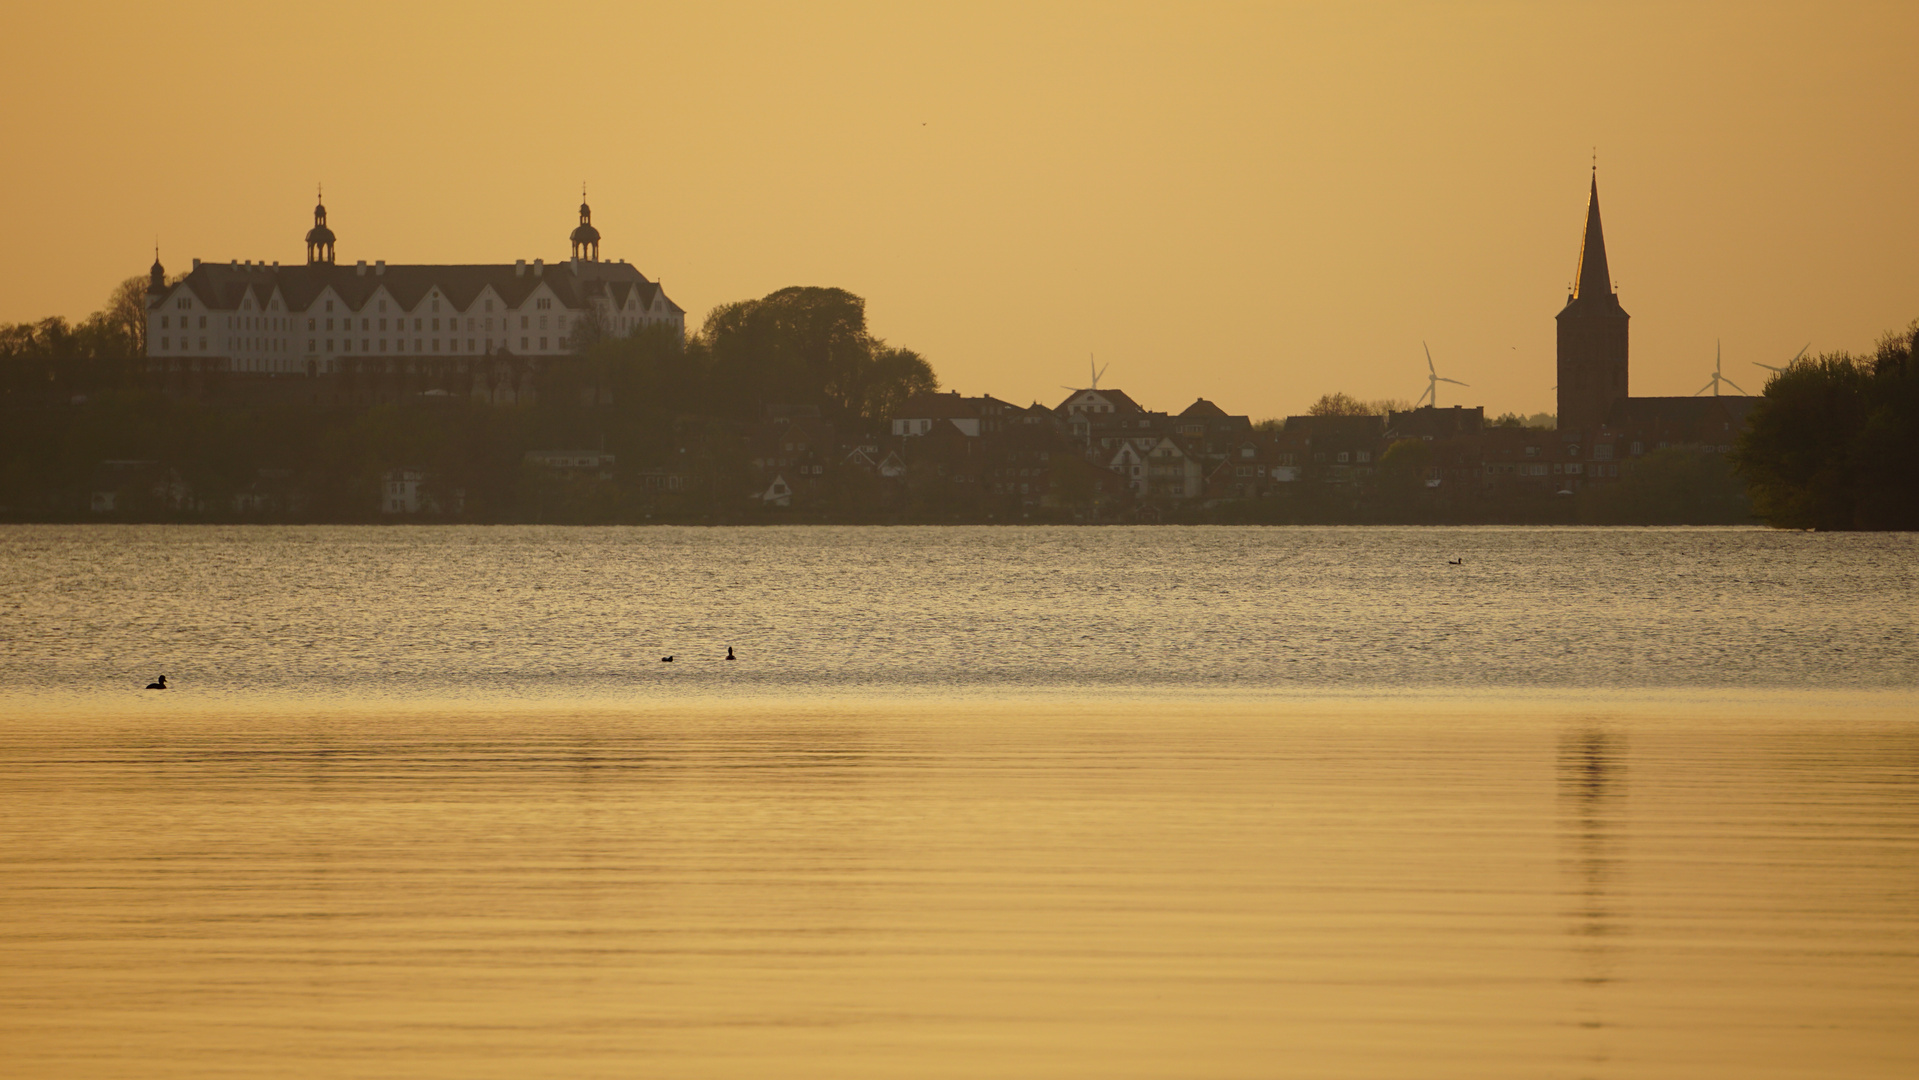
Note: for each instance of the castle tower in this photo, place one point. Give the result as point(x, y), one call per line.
point(1592, 335)
point(156, 276)
point(319, 238)
point(586, 238)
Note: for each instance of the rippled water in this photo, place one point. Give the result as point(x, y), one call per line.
point(1013, 802)
point(536, 613)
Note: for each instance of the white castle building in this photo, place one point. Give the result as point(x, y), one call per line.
point(451, 324)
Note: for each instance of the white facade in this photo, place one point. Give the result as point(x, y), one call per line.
point(260, 318)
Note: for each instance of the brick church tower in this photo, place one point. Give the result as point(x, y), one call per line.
point(1592, 335)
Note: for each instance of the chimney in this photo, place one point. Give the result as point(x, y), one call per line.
point(379, 268)
point(196, 264)
point(519, 267)
point(539, 267)
point(234, 265)
point(576, 264)
point(360, 268)
point(276, 264)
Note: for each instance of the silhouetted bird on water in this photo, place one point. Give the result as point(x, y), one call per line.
point(729, 652)
point(666, 659)
point(161, 684)
point(1455, 562)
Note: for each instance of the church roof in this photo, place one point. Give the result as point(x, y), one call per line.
point(1203, 408)
point(1704, 418)
point(223, 285)
point(1595, 279)
point(1592, 285)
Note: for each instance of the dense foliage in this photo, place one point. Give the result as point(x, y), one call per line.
point(1674, 486)
point(76, 402)
point(1834, 443)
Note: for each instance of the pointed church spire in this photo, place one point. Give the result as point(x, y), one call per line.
point(1594, 280)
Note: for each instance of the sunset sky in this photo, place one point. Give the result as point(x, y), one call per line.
point(1254, 203)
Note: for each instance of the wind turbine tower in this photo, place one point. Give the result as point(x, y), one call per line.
point(1433, 379)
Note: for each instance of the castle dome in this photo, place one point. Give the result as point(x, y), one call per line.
point(319, 238)
point(585, 238)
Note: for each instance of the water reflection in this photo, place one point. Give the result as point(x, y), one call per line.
point(1591, 773)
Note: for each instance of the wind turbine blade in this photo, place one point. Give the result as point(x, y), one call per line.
point(1735, 386)
point(1715, 354)
point(1429, 358)
point(1710, 385)
point(1797, 355)
point(1455, 382)
point(1768, 367)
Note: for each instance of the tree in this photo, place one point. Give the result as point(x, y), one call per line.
point(1834, 441)
point(1403, 469)
point(1341, 404)
point(1338, 404)
point(1675, 486)
point(805, 345)
point(126, 313)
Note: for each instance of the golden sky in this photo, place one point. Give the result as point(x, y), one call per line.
point(1254, 203)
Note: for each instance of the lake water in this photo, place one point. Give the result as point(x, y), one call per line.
point(1023, 802)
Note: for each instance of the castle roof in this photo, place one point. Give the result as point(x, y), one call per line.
point(224, 285)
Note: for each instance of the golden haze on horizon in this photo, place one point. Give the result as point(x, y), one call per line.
point(1254, 204)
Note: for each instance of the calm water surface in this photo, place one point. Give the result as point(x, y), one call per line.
point(1010, 802)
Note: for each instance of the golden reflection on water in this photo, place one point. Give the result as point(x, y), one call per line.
point(1370, 889)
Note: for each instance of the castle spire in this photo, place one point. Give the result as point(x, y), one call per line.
point(1594, 280)
point(319, 238)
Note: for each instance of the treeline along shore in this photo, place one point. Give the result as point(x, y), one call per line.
point(787, 409)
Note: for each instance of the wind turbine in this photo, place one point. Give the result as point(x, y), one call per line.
point(1789, 363)
point(1433, 379)
point(1095, 373)
point(1717, 378)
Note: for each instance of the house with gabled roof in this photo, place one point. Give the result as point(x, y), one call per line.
point(1174, 470)
point(1094, 401)
point(444, 326)
point(921, 413)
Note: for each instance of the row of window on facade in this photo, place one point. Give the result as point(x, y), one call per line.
point(419, 344)
point(366, 344)
point(241, 322)
point(1539, 468)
